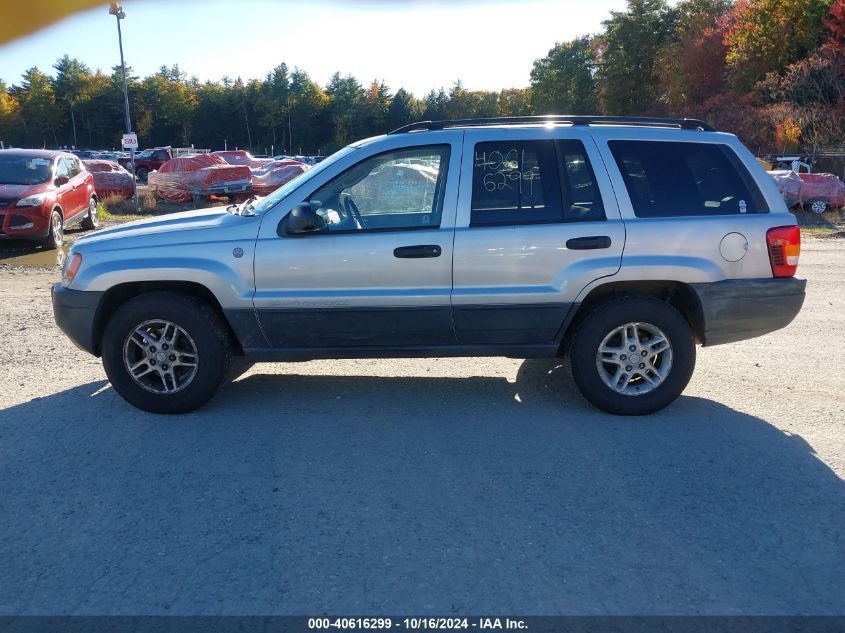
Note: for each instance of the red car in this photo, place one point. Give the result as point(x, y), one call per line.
point(273, 175)
point(197, 177)
point(42, 192)
point(242, 157)
point(110, 179)
point(150, 160)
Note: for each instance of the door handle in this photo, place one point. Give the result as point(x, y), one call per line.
point(417, 252)
point(587, 243)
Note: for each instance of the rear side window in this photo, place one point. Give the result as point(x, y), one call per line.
point(581, 197)
point(666, 179)
point(515, 182)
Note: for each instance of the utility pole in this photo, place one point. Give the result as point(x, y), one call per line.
point(117, 11)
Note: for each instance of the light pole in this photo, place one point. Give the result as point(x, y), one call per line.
point(117, 11)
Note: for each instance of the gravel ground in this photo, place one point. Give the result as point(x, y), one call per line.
point(426, 486)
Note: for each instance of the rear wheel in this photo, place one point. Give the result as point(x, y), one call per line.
point(817, 206)
point(166, 352)
point(56, 235)
point(632, 356)
point(92, 220)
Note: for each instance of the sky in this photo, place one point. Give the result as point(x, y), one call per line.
point(416, 44)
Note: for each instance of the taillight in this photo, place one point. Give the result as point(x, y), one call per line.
point(784, 249)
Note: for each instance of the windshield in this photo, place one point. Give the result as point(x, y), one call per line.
point(265, 204)
point(24, 170)
point(145, 154)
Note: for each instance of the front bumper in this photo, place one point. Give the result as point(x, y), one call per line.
point(75, 312)
point(21, 216)
point(739, 309)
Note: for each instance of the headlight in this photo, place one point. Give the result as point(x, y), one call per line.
point(31, 201)
point(72, 264)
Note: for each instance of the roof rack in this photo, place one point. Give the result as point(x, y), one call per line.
point(574, 119)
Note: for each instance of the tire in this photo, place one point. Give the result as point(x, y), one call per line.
point(671, 369)
point(56, 233)
point(142, 173)
point(818, 206)
point(203, 336)
point(91, 221)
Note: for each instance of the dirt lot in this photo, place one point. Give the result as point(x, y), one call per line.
point(427, 486)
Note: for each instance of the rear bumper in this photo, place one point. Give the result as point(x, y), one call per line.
point(75, 312)
point(739, 309)
point(222, 188)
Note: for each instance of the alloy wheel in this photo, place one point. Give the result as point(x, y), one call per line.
point(634, 359)
point(160, 356)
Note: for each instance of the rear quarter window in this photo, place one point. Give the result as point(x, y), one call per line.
point(668, 179)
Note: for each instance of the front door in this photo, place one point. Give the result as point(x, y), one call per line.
point(78, 186)
point(66, 194)
point(537, 222)
point(378, 271)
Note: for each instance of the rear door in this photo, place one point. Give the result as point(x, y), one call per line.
point(537, 221)
point(379, 272)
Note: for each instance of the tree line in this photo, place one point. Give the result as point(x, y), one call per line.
point(770, 71)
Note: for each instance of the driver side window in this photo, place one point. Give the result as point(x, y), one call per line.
point(62, 168)
point(401, 189)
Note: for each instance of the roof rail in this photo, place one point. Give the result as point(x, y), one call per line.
point(573, 119)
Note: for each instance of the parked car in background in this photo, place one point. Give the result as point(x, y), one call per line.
point(817, 193)
point(275, 174)
point(151, 159)
point(241, 157)
point(198, 177)
point(124, 159)
point(266, 174)
point(821, 192)
point(110, 179)
point(85, 153)
point(42, 192)
point(622, 242)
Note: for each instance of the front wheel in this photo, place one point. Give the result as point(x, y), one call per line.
point(56, 232)
point(165, 352)
point(92, 219)
point(142, 173)
point(632, 356)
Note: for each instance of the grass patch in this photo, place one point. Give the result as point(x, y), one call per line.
point(116, 208)
point(822, 231)
point(830, 224)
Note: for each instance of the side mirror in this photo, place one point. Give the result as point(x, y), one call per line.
point(61, 180)
point(301, 219)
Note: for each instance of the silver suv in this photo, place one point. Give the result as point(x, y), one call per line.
point(620, 241)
